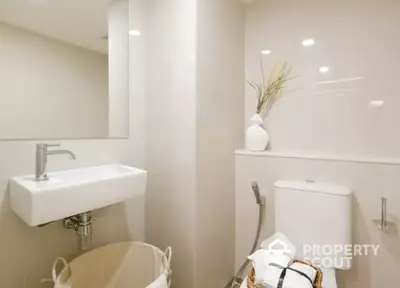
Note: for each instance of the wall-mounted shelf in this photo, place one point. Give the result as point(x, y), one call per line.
point(320, 157)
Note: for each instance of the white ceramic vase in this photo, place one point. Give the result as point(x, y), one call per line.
point(256, 136)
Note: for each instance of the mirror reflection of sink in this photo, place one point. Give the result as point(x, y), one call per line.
point(71, 192)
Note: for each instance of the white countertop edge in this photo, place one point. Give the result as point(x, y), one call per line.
point(320, 157)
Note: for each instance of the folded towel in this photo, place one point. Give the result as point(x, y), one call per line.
point(260, 260)
point(277, 270)
point(281, 259)
point(272, 277)
point(298, 275)
point(294, 278)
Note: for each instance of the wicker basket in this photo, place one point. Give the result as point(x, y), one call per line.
point(317, 282)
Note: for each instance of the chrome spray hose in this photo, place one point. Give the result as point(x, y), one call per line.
point(237, 280)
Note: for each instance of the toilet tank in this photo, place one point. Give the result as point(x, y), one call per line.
point(316, 217)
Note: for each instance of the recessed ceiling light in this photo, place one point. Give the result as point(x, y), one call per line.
point(266, 52)
point(323, 69)
point(308, 42)
point(376, 103)
point(134, 32)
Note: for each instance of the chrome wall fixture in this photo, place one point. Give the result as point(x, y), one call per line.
point(384, 224)
point(82, 224)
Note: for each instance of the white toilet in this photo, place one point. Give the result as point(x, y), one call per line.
point(315, 213)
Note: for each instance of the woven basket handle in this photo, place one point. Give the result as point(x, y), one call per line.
point(167, 256)
point(54, 269)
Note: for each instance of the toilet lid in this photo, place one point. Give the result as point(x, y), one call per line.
point(329, 278)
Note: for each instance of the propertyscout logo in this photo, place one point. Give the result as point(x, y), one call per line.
point(325, 256)
point(279, 243)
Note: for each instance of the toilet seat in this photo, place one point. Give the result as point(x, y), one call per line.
point(329, 278)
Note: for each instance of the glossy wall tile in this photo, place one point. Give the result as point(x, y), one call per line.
point(345, 54)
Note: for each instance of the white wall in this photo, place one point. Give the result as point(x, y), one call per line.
point(171, 132)
point(26, 254)
point(219, 126)
point(50, 89)
point(194, 120)
point(358, 40)
point(118, 52)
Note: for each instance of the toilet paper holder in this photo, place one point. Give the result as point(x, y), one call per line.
point(384, 224)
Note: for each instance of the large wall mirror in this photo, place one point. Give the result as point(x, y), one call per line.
point(64, 69)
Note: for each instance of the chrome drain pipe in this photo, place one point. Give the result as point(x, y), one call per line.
point(82, 224)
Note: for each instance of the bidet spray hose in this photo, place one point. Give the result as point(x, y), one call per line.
point(261, 203)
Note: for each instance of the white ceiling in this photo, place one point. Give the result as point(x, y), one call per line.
point(83, 23)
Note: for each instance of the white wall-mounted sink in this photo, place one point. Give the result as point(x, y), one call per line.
point(72, 192)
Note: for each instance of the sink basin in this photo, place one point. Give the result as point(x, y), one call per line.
point(72, 192)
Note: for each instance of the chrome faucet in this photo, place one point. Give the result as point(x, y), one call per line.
point(41, 159)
